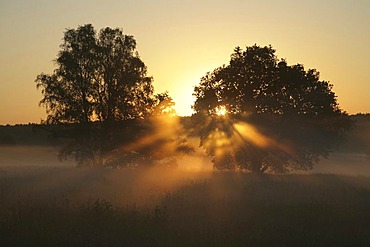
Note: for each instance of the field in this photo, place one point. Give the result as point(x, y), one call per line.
point(55, 206)
point(47, 203)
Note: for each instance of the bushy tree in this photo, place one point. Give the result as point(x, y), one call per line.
point(260, 114)
point(99, 77)
point(99, 82)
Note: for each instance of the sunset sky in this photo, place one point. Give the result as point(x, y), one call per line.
point(181, 40)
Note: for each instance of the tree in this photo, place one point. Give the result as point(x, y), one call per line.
point(99, 81)
point(261, 114)
point(98, 78)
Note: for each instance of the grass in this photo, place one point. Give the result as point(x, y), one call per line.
point(46, 206)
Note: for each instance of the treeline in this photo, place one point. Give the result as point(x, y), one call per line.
point(35, 134)
point(24, 134)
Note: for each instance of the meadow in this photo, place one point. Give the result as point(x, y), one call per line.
point(47, 203)
point(61, 206)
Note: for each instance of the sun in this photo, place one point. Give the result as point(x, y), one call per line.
point(221, 110)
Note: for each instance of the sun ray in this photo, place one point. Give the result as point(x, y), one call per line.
point(221, 111)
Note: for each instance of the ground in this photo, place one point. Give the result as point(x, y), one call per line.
point(47, 203)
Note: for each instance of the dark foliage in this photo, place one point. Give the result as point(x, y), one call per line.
point(98, 94)
point(284, 116)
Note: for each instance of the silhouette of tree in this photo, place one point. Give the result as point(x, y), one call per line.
point(98, 77)
point(99, 82)
point(164, 105)
point(279, 117)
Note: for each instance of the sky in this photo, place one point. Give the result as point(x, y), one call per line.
point(181, 40)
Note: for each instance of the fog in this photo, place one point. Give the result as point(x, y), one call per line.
point(34, 173)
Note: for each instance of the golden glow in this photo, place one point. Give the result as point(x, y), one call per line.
point(219, 141)
point(165, 127)
point(250, 133)
point(221, 110)
point(187, 44)
point(241, 134)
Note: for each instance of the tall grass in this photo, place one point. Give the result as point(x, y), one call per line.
point(74, 207)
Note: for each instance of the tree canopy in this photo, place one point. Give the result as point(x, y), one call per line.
point(98, 96)
point(260, 114)
point(99, 77)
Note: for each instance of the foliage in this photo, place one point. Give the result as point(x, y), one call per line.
point(99, 77)
point(282, 116)
point(98, 94)
point(164, 105)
